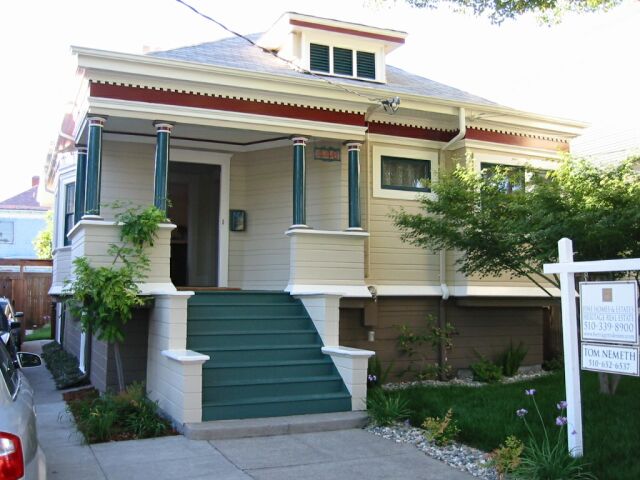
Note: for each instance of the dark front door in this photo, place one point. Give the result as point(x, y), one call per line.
point(194, 196)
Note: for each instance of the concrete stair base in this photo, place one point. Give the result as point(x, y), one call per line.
point(264, 427)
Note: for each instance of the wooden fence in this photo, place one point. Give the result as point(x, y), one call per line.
point(27, 283)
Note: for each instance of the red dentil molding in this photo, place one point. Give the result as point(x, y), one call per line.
point(168, 97)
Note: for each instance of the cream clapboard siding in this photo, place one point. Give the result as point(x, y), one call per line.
point(127, 174)
point(62, 270)
point(261, 184)
point(326, 258)
point(504, 281)
point(92, 239)
point(391, 261)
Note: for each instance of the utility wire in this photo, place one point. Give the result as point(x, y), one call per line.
point(275, 54)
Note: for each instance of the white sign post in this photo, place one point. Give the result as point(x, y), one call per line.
point(566, 268)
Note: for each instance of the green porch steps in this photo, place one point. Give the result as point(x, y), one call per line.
point(265, 357)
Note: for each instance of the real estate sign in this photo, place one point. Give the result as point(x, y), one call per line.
point(620, 359)
point(609, 312)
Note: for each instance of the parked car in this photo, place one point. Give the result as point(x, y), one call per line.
point(20, 454)
point(10, 323)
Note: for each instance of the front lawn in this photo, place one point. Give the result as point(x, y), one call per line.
point(42, 333)
point(486, 416)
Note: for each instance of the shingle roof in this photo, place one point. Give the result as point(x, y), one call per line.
point(26, 200)
point(236, 52)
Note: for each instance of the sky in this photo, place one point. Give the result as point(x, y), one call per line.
point(585, 68)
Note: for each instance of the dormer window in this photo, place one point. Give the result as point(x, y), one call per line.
point(332, 47)
point(341, 61)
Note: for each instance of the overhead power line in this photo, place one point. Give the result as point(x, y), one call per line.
point(291, 64)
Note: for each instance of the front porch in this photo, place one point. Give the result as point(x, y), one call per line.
point(301, 233)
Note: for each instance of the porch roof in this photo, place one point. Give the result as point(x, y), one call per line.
point(237, 53)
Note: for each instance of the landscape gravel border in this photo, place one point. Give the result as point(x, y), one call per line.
point(460, 456)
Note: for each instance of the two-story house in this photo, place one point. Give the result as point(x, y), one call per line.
point(282, 158)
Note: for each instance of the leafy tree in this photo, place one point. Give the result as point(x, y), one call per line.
point(43, 243)
point(549, 11)
point(516, 230)
point(104, 297)
point(501, 224)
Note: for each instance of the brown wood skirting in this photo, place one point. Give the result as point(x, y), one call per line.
point(487, 331)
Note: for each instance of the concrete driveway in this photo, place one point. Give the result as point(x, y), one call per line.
point(342, 454)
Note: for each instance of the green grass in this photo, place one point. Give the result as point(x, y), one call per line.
point(486, 416)
point(43, 333)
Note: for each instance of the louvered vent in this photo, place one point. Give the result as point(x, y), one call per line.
point(342, 61)
point(366, 65)
point(319, 57)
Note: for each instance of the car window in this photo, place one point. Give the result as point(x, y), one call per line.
point(9, 372)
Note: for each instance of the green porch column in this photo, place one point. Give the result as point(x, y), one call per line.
point(353, 149)
point(94, 167)
point(299, 183)
point(163, 136)
point(81, 182)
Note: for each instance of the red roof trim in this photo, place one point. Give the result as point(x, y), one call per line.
point(348, 31)
point(164, 97)
point(518, 140)
point(411, 132)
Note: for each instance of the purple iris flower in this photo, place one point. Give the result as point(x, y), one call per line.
point(561, 405)
point(521, 412)
point(560, 421)
point(530, 392)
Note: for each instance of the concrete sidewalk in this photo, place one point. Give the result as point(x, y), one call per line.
point(343, 454)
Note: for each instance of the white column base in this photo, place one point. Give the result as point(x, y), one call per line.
point(324, 310)
point(352, 365)
point(174, 374)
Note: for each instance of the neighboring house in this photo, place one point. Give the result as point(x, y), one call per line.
point(608, 144)
point(21, 218)
point(281, 184)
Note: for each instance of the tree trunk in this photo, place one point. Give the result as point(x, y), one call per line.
point(609, 383)
point(119, 372)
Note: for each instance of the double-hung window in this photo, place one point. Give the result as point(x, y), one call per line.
point(69, 210)
point(516, 178)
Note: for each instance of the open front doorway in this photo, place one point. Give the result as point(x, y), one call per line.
point(194, 194)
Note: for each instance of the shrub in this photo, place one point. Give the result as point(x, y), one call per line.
point(511, 359)
point(485, 370)
point(507, 457)
point(412, 345)
point(385, 409)
point(556, 364)
point(127, 415)
point(549, 458)
point(441, 431)
point(376, 376)
point(63, 366)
